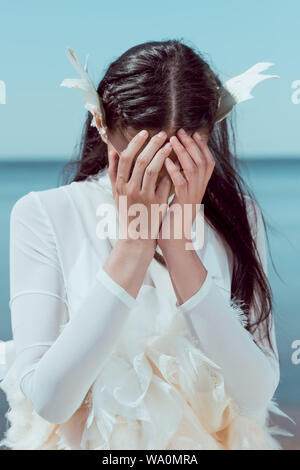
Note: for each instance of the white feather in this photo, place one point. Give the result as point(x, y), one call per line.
point(86, 84)
point(240, 87)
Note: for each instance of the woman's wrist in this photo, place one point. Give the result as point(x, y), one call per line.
point(138, 248)
point(128, 262)
point(172, 244)
point(186, 270)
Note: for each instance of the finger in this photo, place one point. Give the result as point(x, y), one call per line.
point(191, 146)
point(153, 169)
point(113, 160)
point(164, 188)
point(145, 157)
point(163, 193)
point(210, 161)
point(184, 158)
point(176, 176)
point(178, 165)
point(127, 156)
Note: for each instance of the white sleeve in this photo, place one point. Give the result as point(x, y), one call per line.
point(55, 367)
point(251, 373)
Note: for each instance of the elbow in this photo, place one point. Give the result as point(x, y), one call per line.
point(54, 407)
point(49, 413)
point(268, 383)
point(260, 392)
point(265, 391)
point(47, 400)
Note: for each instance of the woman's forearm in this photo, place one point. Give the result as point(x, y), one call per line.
point(220, 334)
point(50, 378)
point(56, 379)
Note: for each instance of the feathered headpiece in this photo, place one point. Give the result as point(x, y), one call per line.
point(92, 98)
point(234, 91)
point(238, 89)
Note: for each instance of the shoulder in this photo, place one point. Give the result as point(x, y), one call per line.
point(29, 206)
point(36, 203)
point(32, 215)
point(24, 209)
point(50, 216)
point(28, 220)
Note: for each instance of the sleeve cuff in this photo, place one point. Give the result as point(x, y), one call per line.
point(193, 301)
point(115, 288)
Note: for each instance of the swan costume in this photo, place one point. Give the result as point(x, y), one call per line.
point(90, 367)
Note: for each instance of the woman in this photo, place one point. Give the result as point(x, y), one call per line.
point(125, 343)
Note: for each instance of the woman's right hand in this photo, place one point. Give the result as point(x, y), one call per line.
point(134, 174)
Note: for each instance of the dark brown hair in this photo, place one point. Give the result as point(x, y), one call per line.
point(167, 85)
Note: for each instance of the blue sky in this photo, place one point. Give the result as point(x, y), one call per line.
point(43, 120)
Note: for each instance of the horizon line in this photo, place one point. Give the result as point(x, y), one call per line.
point(51, 159)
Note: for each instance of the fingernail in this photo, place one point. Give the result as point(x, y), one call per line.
point(198, 135)
point(162, 134)
point(182, 132)
point(143, 133)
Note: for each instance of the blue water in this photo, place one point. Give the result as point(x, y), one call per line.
point(276, 184)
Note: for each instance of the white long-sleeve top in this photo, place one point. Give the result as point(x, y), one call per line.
point(56, 278)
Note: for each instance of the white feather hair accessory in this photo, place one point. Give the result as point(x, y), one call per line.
point(85, 83)
point(238, 89)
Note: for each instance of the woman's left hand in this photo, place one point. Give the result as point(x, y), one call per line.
point(190, 176)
